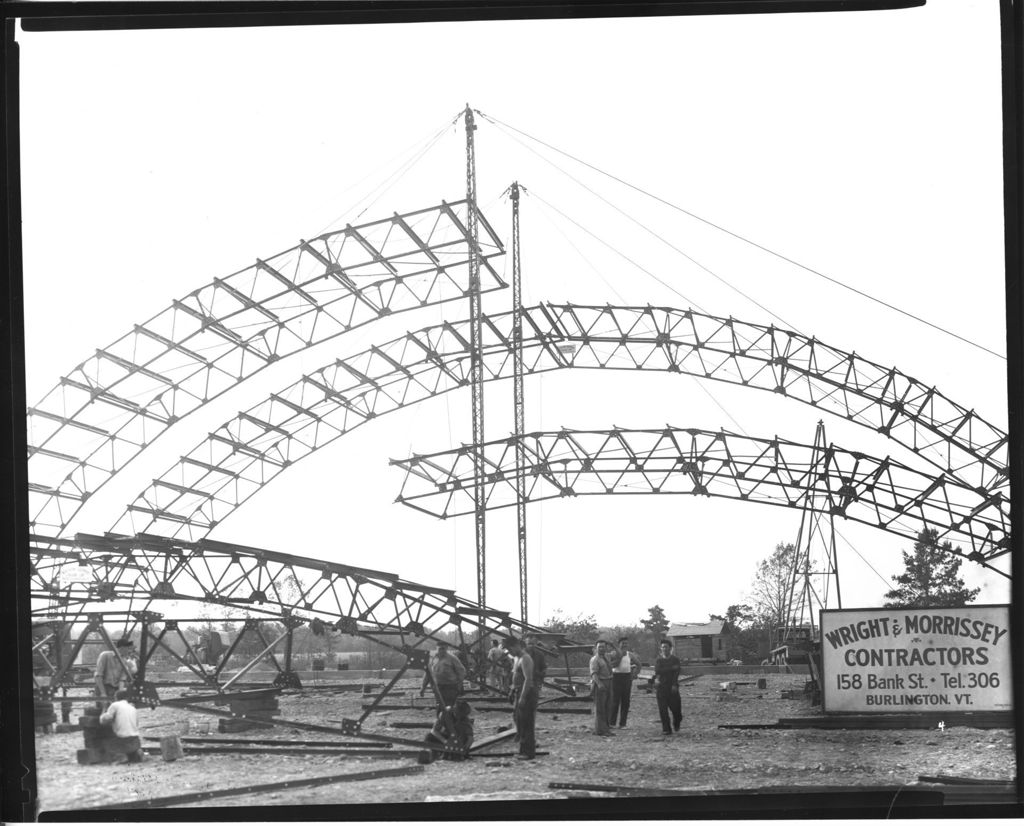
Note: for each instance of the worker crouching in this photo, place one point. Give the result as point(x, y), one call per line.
point(124, 721)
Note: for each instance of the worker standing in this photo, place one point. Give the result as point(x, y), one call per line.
point(540, 662)
point(448, 673)
point(115, 670)
point(600, 689)
point(625, 667)
point(666, 682)
point(524, 698)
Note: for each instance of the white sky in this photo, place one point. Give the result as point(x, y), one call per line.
point(864, 145)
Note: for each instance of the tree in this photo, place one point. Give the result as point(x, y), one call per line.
point(579, 628)
point(743, 634)
point(772, 591)
point(737, 617)
point(656, 623)
point(931, 576)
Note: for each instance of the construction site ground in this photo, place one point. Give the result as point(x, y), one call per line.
point(702, 756)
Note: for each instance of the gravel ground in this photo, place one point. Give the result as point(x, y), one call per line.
point(701, 757)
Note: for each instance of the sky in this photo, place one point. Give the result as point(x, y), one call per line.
point(865, 146)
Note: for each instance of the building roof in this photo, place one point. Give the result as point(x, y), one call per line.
point(696, 629)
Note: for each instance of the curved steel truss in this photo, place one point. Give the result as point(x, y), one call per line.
point(119, 400)
point(878, 492)
point(109, 573)
point(247, 452)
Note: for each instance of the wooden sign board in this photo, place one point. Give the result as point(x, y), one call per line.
point(902, 660)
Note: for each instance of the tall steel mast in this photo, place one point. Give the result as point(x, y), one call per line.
point(476, 363)
point(517, 393)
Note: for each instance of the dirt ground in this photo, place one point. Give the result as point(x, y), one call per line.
point(701, 756)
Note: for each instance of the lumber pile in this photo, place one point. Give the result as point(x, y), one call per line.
point(249, 711)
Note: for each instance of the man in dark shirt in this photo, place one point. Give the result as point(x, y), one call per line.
point(666, 682)
point(453, 729)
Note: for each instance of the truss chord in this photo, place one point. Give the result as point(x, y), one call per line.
point(982, 469)
point(199, 379)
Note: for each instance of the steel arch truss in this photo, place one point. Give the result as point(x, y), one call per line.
point(877, 492)
point(75, 577)
point(119, 400)
point(247, 452)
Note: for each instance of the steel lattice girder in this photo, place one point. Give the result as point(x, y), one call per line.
point(142, 570)
point(878, 492)
point(247, 452)
point(118, 401)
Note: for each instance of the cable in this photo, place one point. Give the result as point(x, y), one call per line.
point(650, 231)
point(699, 384)
point(854, 549)
point(620, 254)
point(430, 141)
point(941, 329)
point(577, 250)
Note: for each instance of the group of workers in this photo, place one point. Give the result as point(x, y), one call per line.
point(519, 666)
point(115, 671)
point(613, 668)
point(513, 666)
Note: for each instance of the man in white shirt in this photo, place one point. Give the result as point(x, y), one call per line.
point(123, 719)
point(625, 666)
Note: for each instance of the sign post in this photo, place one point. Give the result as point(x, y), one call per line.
point(899, 660)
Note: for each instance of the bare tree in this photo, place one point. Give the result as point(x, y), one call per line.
point(772, 590)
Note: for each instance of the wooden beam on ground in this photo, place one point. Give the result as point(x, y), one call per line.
point(386, 754)
point(349, 744)
point(295, 724)
point(195, 797)
point(928, 720)
point(500, 737)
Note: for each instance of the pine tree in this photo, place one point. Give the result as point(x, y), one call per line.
point(657, 624)
point(931, 577)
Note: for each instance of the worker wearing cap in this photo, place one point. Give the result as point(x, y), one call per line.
point(115, 670)
point(448, 673)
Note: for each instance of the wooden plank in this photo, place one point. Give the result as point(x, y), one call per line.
point(929, 720)
point(298, 752)
point(355, 744)
point(500, 737)
point(179, 799)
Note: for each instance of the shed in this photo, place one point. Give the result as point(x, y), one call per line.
point(699, 641)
